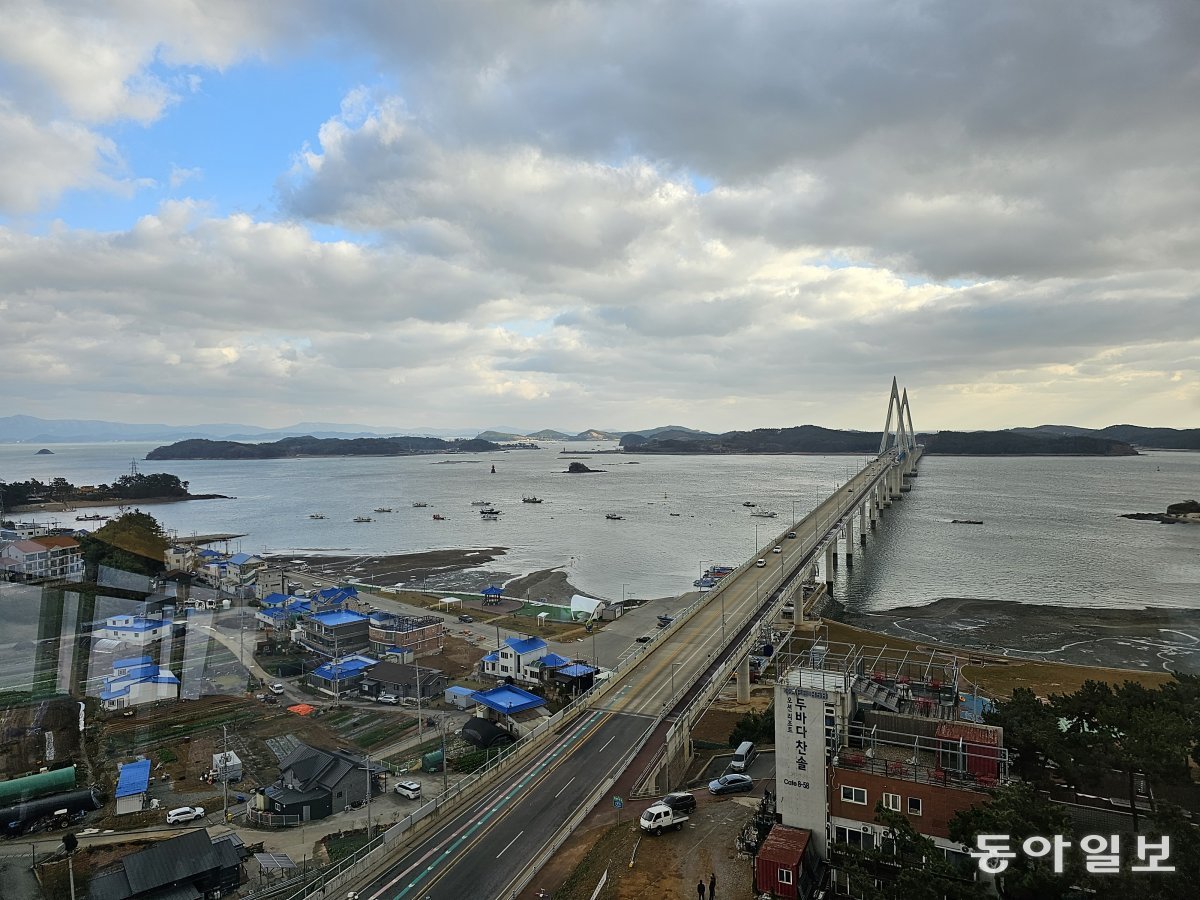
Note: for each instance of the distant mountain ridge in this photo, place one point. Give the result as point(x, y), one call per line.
point(32, 429)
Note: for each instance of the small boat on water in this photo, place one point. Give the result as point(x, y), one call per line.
point(489, 511)
point(363, 519)
point(383, 509)
point(966, 521)
point(531, 500)
point(438, 518)
point(748, 503)
point(480, 503)
point(96, 517)
point(613, 517)
point(316, 515)
point(764, 514)
point(417, 505)
point(489, 517)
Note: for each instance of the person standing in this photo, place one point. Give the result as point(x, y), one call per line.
point(700, 889)
point(712, 886)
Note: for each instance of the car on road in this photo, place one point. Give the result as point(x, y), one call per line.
point(645, 638)
point(731, 784)
point(409, 789)
point(680, 801)
point(185, 814)
point(791, 534)
point(465, 617)
point(777, 550)
point(390, 699)
point(276, 688)
point(761, 563)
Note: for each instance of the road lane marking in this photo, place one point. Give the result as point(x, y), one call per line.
point(568, 784)
point(509, 844)
point(606, 743)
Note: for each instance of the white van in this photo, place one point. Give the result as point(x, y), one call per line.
point(742, 757)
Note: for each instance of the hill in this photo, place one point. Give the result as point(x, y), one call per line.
point(310, 446)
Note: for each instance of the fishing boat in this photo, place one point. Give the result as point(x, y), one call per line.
point(764, 514)
point(94, 517)
point(748, 503)
point(489, 517)
point(481, 502)
point(489, 511)
point(531, 500)
point(613, 517)
point(419, 505)
point(383, 509)
point(438, 518)
point(316, 515)
point(363, 519)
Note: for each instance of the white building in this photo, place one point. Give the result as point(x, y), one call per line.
point(135, 681)
point(53, 556)
point(137, 631)
point(513, 660)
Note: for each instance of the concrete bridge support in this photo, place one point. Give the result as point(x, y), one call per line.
point(833, 544)
point(743, 680)
point(849, 540)
point(829, 556)
point(862, 523)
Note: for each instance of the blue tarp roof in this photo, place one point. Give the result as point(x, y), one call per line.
point(528, 645)
point(578, 670)
point(134, 778)
point(508, 699)
point(346, 668)
point(333, 617)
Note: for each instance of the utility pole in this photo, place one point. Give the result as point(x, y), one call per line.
point(445, 775)
point(370, 788)
point(225, 774)
point(420, 718)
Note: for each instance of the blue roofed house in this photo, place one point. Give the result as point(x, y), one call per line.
point(133, 781)
point(137, 680)
point(505, 710)
point(138, 631)
point(341, 678)
point(334, 633)
point(514, 659)
point(547, 665)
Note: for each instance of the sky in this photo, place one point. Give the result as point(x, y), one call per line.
point(540, 214)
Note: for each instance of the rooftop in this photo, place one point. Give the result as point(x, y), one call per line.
point(134, 778)
point(508, 699)
point(333, 617)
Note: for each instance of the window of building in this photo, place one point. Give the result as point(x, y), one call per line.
point(891, 801)
point(856, 795)
point(855, 837)
point(504, 668)
point(914, 806)
point(785, 876)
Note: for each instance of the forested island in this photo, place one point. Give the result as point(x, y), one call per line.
point(137, 486)
point(814, 439)
point(310, 446)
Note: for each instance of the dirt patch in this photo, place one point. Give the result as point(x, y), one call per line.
point(666, 866)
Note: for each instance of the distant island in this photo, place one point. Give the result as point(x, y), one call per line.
point(1187, 511)
point(44, 452)
point(160, 487)
point(309, 446)
point(814, 439)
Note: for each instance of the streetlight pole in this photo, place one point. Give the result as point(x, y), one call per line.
point(623, 586)
point(756, 539)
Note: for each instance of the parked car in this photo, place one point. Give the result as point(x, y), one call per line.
point(390, 699)
point(185, 814)
point(276, 688)
point(680, 801)
point(731, 784)
point(466, 617)
point(409, 789)
point(659, 817)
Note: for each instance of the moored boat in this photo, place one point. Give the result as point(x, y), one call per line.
point(419, 505)
point(613, 517)
point(316, 515)
point(531, 500)
point(363, 519)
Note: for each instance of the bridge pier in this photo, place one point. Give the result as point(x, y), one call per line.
point(833, 539)
point(862, 523)
point(829, 568)
point(743, 680)
point(849, 548)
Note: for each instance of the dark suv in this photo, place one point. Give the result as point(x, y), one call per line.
point(680, 801)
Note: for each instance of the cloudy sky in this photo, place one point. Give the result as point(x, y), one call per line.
point(610, 214)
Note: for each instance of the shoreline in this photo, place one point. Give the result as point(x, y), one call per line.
point(1148, 638)
point(72, 505)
